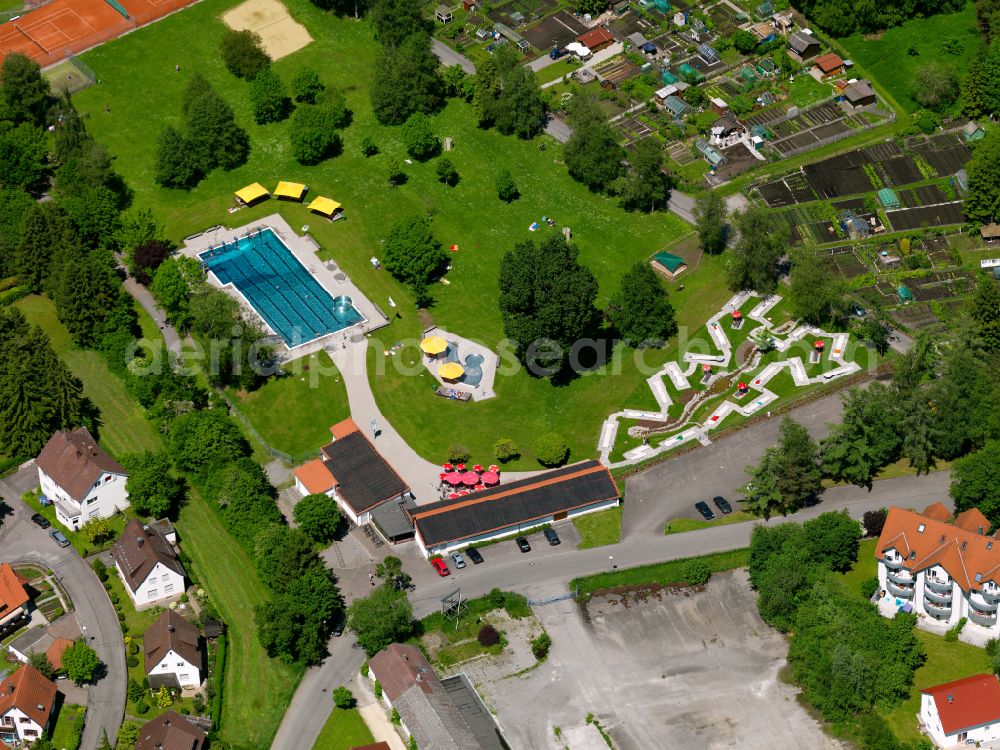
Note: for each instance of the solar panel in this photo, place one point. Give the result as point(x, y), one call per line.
point(708, 54)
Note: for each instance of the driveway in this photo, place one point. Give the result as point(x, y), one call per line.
point(24, 541)
point(676, 671)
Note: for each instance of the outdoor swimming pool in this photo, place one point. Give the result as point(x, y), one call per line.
point(280, 288)
point(473, 374)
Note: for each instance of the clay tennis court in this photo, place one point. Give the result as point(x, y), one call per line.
point(49, 33)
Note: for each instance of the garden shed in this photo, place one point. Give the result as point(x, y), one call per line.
point(667, 264)
point(888, 198)
point(904, 294)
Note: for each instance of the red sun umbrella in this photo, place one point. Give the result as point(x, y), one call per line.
point(470, 478)
point(490, 477)
point(452, 495)
point(453, 478)
point(463, 493)
point(706, 367)
point(441, 476)
point(447, 467)
point(478, 468)
point(479, 487)
point(494, 469)
point(460, 467)
point(737, 315)
point(743, 386)
point(818, 344)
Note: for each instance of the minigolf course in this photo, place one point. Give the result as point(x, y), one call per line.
point(707, 376)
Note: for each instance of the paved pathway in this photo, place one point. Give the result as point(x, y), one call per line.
point(449, 57)
point(144, 298)
point(22, 540)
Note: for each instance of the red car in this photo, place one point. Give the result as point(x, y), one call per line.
point(441, 567)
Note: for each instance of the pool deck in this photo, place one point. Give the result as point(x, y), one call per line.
point(328, 274)
point(466, 347)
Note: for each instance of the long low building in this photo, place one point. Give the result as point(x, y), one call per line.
point(514, 508)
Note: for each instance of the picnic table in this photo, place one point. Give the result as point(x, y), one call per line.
point(452, 393)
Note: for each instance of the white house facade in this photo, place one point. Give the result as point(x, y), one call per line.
point(148, 565)
point(945, 571)
point(26, 699)
point(80, 480)
point(963, 712)
point(172, 652)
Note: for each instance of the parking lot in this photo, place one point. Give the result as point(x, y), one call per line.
point(678, 670)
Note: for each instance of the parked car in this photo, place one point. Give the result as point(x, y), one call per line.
point(338, 628)
point(552, 536)
point(705, 511)
point(441, 567)
point(459, 561)
point(557, 52)
point(722, 504)
point(60, 538)
point(474, 555)
point(41, 520)
point(522, 544)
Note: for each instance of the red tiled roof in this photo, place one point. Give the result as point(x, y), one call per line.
point(75, 462)
point(55, 651)
point(30, 692)
point(924, 542)
point(345, 428)
point(972, 520)
point(315, 477)
point(937, 512)
point(966, 703)
point(595, 37)
point(829, 62)
point(12, 593)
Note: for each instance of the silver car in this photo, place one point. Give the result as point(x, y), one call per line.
point(458, 560)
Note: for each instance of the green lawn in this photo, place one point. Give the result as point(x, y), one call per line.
point(468, 215)
point(257, 688)
point(865, 568)
point(599, 529)
point(806, 90)
point(344, 730)
point(293, 413)
point(680, 525)
point(664, 573)
point(123, 427)
point(80, 542)
point(886, 57)
point(138, 621)
point(63, 730)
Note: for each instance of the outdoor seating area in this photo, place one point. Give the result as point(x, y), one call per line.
point(458, 481)
point(464, 369)
point(327, 207)
point(289, 191)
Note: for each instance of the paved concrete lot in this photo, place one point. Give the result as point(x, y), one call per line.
point(677, 671)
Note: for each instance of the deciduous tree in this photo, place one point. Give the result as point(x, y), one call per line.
point(975, 482)
point(313, 134)
point(25, 94)
point(816, 295)
point(645, 186)
point(710, 217)
point(306, 86)
point(833, 540)
point(318, 516)
point(383, 617)
point(243, 53)
point(755, 260)
point(268, 99)
point(418, 135)
point(175, 164)
point(639, 310)
point(506, 187)
point(412, 253)
point(593, 154)
point(152, 490)
point(23, 151)
point(81, 663)
point(867, 438)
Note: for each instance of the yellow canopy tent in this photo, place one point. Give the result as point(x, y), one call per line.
point(252, 193)
point(325, 206)
point(433, 345)
point(451, 371)
point(291, 190)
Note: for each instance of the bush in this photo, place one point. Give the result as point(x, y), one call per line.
point(134, 691)
point(447, 173)
point(132, 661)
point(368, 146)
point(506, 187)
point(488, 636)
point(869, 586)
point(243, 53)
point(874, 521)
point(551, 450)
point(394, 717)
point(540, 646)
point(306, 86)
point(952, 634)
point(133, 648)
point(421, 143)
point(343, 698)
point(498, 598)
point(364, 669)
point(100, 569)
point(377, 689)
point(396, 174)
point(696, 572)
point(458, 453)
point(505, 450)
point(312, 135)
point(141, 708)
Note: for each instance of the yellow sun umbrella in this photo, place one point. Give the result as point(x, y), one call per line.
point(291, 190)
point(451, 371)
point(325, 206)
point(433, 345)
point(253, 192)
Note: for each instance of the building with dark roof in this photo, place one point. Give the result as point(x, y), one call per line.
point(802, 46)
point(860, 94)
point(80, 479)
point(170, 731)
point(148, 565)
point(26, 700)
point(515, 507)
point(437, 716)
point(965, 711)
point(172, 651)
point(352, 472)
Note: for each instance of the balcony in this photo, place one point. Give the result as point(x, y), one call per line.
point(991, 595)
point(940, 611)
point(892, 563)
point(901, 592)
point(902, 577)
point(936, 598)
point(981, 603)
point(982, 618)
point(938, 586)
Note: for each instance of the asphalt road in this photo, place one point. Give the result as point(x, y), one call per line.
point(21, 540)
point(449, 57)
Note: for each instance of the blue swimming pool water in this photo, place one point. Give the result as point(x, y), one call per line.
point(473, 364)
point(280, 288)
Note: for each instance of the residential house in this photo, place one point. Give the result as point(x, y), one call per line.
point(26, 700)
point(173, 654)
point(514, 507)
point(860, 94)
point(637, 40)
point(437, 714)
point(443, 14)
point(802, 45)
point(148, 565)
point(352, 472)
point(14, 599)
point(945, 571)
point(962, 712)
point(726, 132)
point(828, 65)
point(667, 264)
point(80, 479)
point(596, 39)
point(170, 731)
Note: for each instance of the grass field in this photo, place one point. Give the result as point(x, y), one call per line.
point(144, 92)
point(252, 707)
point(63, 730)
point(680, 525)
point(123, 427)
point(344, 730)
point(599, 529)
point(293, 413)
point(886, 56)
point(664, 573)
